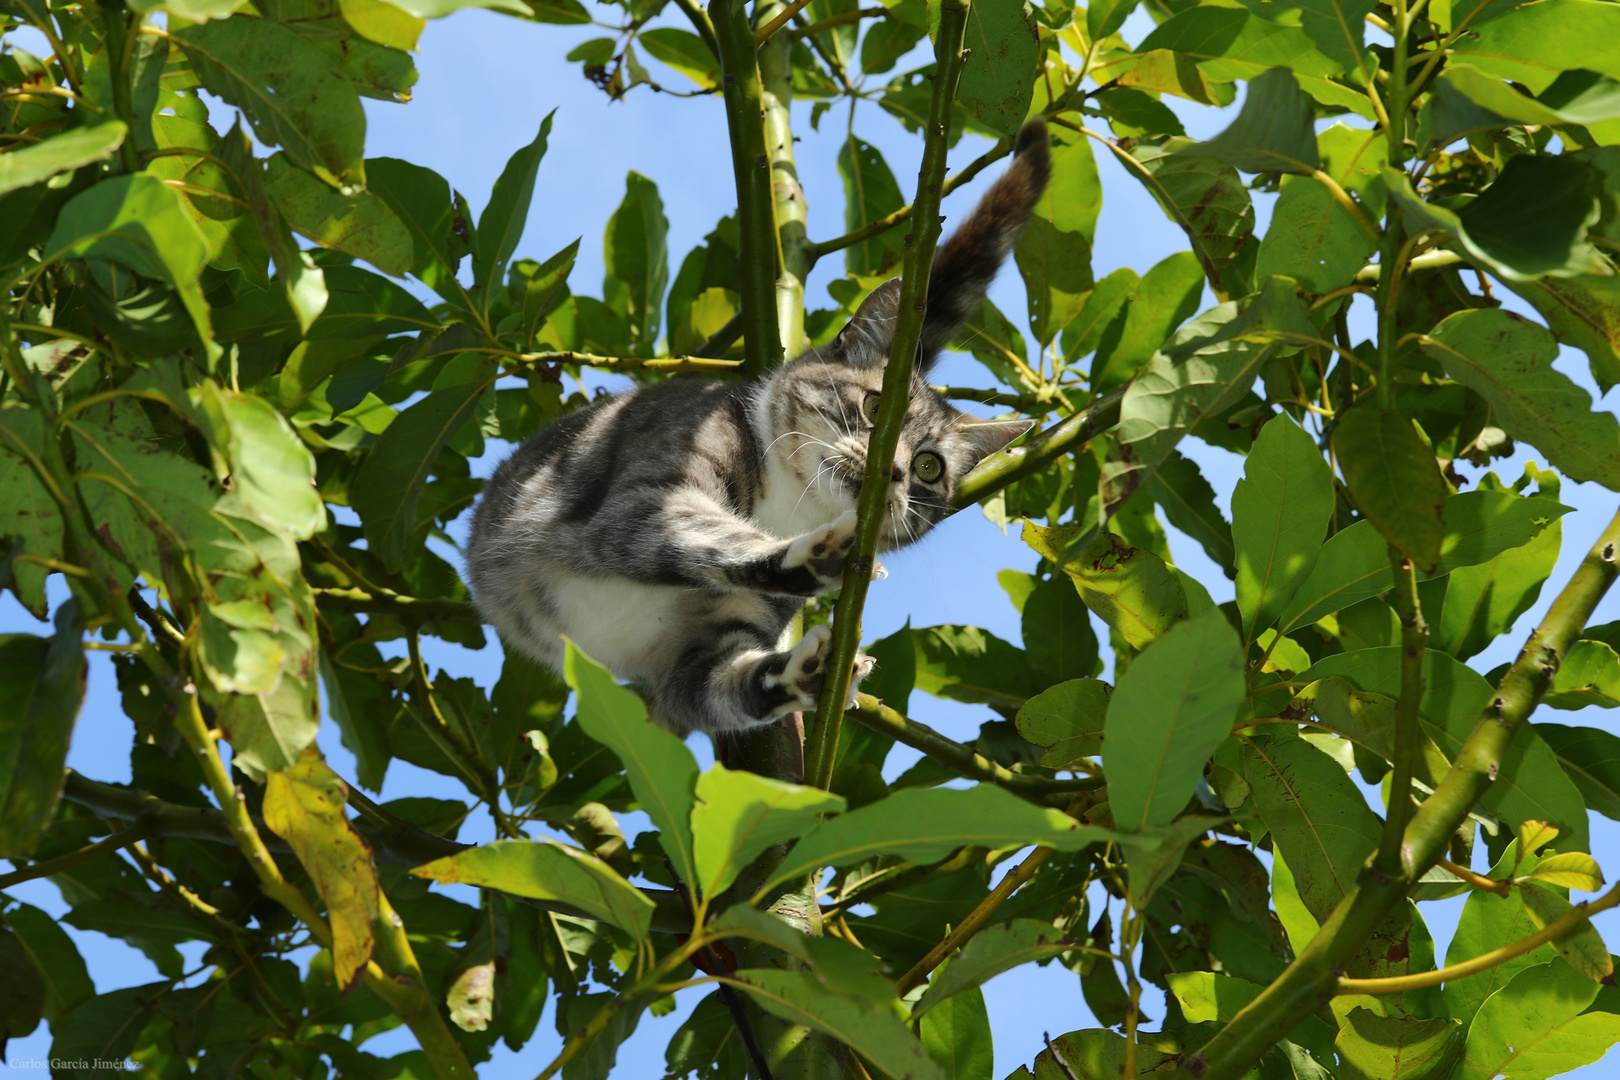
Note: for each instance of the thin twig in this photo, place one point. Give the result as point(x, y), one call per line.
point(974, 921)
point(85, 854)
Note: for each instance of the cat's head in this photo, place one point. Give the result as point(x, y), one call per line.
point(821, 408)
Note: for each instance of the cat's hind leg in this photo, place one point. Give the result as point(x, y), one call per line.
point(732, 681)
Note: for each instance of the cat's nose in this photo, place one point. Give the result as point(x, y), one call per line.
point(895, 474)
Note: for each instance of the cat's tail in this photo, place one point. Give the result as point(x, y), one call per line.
point(965, 264)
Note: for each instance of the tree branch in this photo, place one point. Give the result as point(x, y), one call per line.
point(1408, 733)
point(873, 502)
point(1564, 924)
point(1039, 450)
point(751, 167)
point(73, 858)
point(1314, 973)
point(414, 610)
point(1037, 789)
point(974, 920)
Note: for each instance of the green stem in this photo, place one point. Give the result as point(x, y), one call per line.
point(1408, 737)
point(874, 497)
point(751, 166)
point(1038, 789)
point(776, 84)
point(1039, 450)
point(120, 43)
point(974, 921)
point(73, 858)
point(1314, 974)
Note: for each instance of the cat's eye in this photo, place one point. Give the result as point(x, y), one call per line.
point(869, 408)
point(928, 467)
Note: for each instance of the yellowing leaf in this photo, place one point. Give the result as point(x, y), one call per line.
point(304, 806)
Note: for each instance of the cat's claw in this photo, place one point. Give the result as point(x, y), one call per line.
point(805, 671)
point(823, 549)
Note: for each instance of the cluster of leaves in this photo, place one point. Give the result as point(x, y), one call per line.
point(242, 455)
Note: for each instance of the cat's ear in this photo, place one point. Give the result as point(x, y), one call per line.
point(985, 437)
point(864, 341)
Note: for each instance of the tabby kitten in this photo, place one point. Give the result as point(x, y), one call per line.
point(673, 531)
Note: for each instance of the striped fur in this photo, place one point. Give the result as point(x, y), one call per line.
point(672, 532)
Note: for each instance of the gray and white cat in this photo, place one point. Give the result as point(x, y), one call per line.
point(673, 531)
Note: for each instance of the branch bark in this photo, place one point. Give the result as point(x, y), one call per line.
point(971, 764)
point(751, 168)
point(873, 504)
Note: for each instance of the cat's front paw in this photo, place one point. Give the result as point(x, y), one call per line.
point(822, 551)
point(804, 672)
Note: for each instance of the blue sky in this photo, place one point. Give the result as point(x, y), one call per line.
point(486, 82)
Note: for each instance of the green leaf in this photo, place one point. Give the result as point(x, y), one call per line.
point(1584, 312)
point(879, 1035)
point(1530, 785)
point(1508, 361)
point(707, 1043)
point(1179, 488)
point(304, 805)
point(1107, 299)
point(635, 250)
point(28, 513)
point(1338, 29)
point(500, 226)
point(926, 824)
point(1317, 818)
point(964, 663)
point(1313, 238)
point(105, 1028)
point(389, 483)
point(661, 769)
point(988, 953)
point(1280, 513)
point(22, 996)
point(1130, 589)
point(546, 870)
point(1466, 99)
point(870, 193)
point(739, 814)
point(1489, 920)
point(599, 1056)
point(957, 1034)
point(138, 221)
point(434, 216)
point(1274, 132)
point(1393, 480)
point(998, 82)
point(1058, 639)
point(1206, 996)
point(840, 966)
point(41, 688)
point(1067, 719)
point(1054, 253)
point(39, 162)
point(1106, 16)
point(1530, 223)
point(1588, 675)
point(1591, 757)
point(1536, 43)
point(1170, 711)
point(1484, 601)
point(1206, 367)
point(1231, 43)
point(1582, 948)
point(1532, 1027)
point(1481, 527)
point(272, 471)
point(543, 11)
point(1167, 296)
point(685, 52)
point(1096, 1054)
point(292, 92)
point(360, 224)
point(52, 953)
point(1373, 1047)
point(1205, 197)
